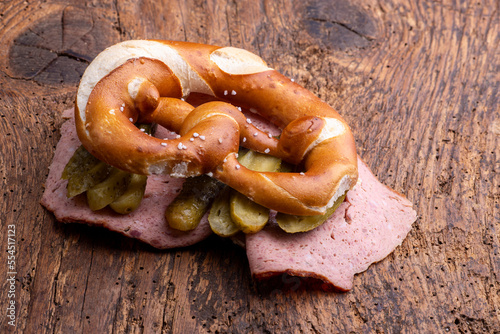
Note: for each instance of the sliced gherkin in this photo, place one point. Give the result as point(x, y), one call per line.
point(197, 193)
point(132, 197)
point(259, 162)
point(219, 216)
point(108, 190)
point(83, 171)
point(81, 161)
point(249, 216)
point(294, 224)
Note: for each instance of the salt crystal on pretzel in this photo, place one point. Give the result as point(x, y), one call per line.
point(146, 81)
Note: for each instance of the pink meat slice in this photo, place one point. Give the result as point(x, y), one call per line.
point(147, 223)
point(366, 228)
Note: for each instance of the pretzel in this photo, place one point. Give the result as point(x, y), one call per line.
point(147, 81)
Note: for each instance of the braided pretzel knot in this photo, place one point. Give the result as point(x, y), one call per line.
point(143, 81)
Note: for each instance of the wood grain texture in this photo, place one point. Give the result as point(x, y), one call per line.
point(418, 81)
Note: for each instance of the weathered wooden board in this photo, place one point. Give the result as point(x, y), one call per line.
point(417, 80)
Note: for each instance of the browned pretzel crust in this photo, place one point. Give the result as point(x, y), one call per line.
point(144, 81)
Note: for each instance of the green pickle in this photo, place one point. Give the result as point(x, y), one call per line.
point(108, 190)
point(197, 193)
point(249, 216)
point(219, 216)
point(259, 162)
point(83, 171)
point(294, 224)
point(81, 161)
point(132, 197)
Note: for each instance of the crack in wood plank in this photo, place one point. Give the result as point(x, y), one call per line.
point(343, 25)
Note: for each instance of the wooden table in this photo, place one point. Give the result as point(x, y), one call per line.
point(418, 81)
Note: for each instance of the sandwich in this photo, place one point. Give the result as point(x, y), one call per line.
point(212, 140)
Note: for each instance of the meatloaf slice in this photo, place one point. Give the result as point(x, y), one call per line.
point(366, 228)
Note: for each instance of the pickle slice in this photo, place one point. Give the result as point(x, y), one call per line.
point(197, 193)
point(81, 183)
point(132, 197)
point(83, 171)
point(108, 190)
point(294, 224)
point(81, 161)
point(219, 216)
point(259, 162)
point(249, 216)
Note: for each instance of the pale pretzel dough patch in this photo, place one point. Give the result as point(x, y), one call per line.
point(238, 61)
point(133, 87)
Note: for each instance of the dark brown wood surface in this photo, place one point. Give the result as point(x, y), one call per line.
point(418, 81)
